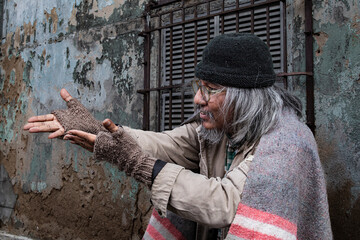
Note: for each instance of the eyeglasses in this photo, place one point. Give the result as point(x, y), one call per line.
point(205, 91)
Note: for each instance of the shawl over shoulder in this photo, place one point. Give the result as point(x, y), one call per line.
point(285, 194)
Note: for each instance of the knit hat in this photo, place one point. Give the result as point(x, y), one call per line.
point(240, 60)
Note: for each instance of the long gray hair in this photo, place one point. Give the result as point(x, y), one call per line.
point(255, 111)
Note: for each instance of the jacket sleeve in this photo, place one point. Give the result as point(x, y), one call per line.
point(179, 146)
point(209, 201)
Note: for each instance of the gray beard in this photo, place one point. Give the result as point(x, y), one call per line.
point(213, 136)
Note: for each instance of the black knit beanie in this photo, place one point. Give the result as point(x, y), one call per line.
point(240, 60)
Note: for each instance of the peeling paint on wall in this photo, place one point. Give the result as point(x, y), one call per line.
point(321, 39)
point(72, 46)
point(52, 19)
point(355, 25)
point(337, 72)
point(13, 67)
point(92, 49)
point(88, 14)
point(7, 196)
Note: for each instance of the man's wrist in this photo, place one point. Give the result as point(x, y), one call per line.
point(143, 170)
point(158, 166)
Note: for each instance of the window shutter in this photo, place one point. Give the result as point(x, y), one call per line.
point(184, 40)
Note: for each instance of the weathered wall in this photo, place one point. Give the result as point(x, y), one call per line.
point(337, 82)
point(92, 49)
point(337, 85)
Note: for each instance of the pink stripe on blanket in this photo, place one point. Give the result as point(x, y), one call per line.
point(265, 217)
point(245, 233)
point(165, 223)
point(154, 234)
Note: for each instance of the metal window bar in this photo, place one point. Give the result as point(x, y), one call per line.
point(171, 69)
point(252, 18)
point(183, 64)
point(191, 27)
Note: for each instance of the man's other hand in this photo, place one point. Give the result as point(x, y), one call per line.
point(48, 122)
point(87, 140)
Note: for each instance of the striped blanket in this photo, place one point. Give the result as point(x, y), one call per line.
point(251, 223)
point(162, 229)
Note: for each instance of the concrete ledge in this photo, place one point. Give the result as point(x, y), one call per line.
point(7, 236)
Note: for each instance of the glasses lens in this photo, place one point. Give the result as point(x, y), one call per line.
point(195, 85)
point(205, 93)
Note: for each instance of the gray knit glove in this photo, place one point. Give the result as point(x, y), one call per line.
point(121, 149)
point(78, 117)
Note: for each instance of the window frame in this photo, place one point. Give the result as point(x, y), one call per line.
point(151, 28)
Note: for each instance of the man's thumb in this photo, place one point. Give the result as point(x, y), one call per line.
point(65, 95)
point(109, 125)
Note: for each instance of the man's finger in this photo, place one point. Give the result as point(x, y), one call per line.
point(88, 136)
point(109, 125)
point(74, 138)
point(80, 142)
point(28, 126)
point(57, 133)
point(42, 118)
point(65, 95)
point(44, 128)
point(36, 124)
point(31, 125)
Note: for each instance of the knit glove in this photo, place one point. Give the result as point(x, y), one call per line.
point(78, 117)
point(121, 149)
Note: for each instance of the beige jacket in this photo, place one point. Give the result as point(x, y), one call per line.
point(209, 198)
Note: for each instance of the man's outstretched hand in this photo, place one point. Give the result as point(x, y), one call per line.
point(87, 140)
point(48, 123)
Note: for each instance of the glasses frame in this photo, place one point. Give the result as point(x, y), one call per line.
point(205, 91)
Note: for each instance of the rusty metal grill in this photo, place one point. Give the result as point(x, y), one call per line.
point(182, 33)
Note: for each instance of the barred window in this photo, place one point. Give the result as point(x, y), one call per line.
point(182, 31)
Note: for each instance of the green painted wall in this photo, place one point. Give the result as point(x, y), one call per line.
point(337, 85)
point(92, 49)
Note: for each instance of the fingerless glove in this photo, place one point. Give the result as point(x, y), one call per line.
point(78, 117)
point(121, 149)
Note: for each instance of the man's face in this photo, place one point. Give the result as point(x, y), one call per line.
point(210, 111)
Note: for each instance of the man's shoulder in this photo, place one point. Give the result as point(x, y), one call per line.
point(290, 136)
point(291, 129)
point(291, 146)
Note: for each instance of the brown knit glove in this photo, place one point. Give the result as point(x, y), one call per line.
point(122, 150)
point(78, 117)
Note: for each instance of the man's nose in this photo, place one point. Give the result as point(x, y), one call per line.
point(199, 99)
